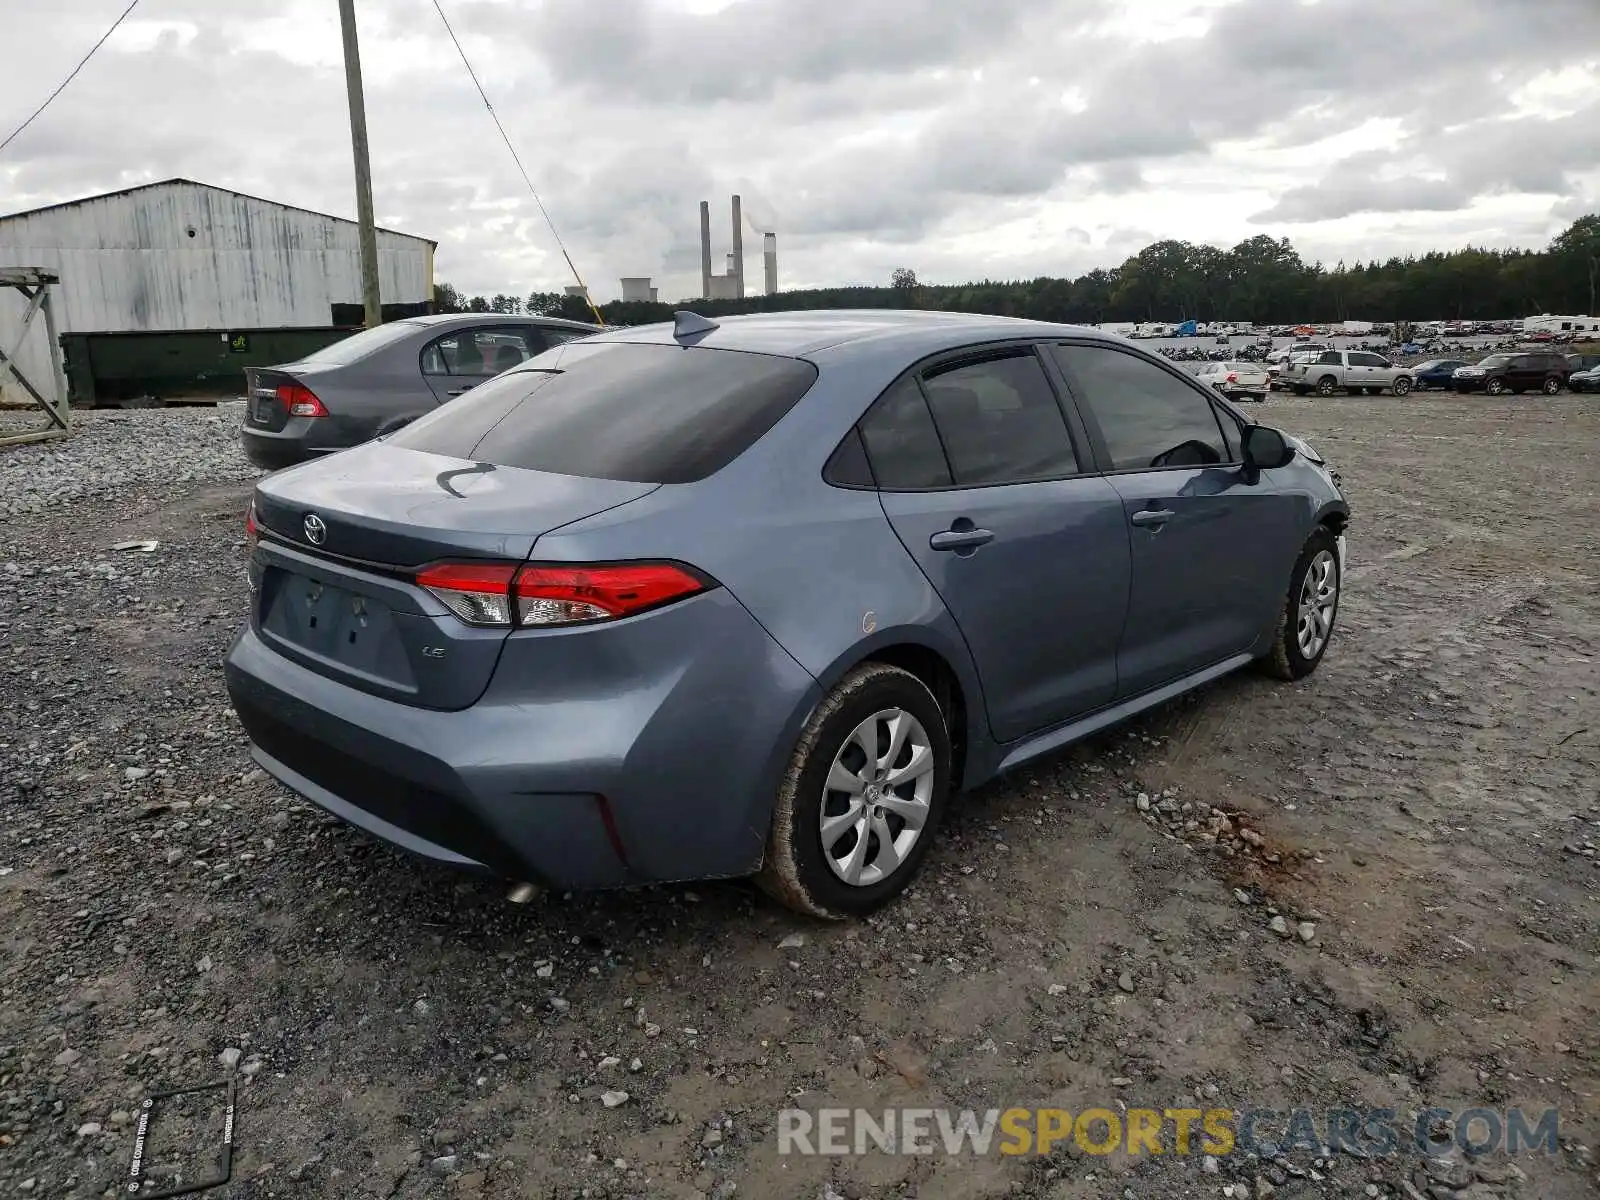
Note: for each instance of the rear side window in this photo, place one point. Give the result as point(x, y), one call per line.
point(999, 421)
point(902, 442)
point(618, 410)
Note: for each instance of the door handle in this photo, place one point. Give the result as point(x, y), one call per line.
point(1152, 516)
point(960, 539)
point(458, 391)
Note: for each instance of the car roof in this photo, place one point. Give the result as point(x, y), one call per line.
point(807, 334)
point(447, 320)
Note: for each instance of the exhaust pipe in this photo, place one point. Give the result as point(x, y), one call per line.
point(523, 892)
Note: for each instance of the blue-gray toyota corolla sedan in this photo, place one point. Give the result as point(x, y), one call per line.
point(757, 596)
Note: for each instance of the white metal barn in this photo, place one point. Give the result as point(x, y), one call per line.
point(181, 257)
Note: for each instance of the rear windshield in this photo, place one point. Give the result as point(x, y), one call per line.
point(359, 345)
point(618, 410)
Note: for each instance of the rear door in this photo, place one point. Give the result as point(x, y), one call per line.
point(456, 362)
point(993, 494)
point(1211, 553)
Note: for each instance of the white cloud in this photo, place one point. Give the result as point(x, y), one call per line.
point(1005, 138)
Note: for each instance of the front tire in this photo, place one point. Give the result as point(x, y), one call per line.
point(1552, 386)
point(1311, 607)
point(1495, 387)
point(1402, 386)
point(862, 796)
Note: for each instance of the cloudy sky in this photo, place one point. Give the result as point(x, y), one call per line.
point(961, 138)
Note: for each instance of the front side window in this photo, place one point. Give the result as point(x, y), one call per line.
point(999, 421)
point(1150, 420)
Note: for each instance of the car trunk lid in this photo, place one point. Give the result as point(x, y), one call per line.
point(344, 538)
point(264, 409)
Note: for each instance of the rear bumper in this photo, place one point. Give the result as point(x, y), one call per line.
point(301, 438)
point(658, 762)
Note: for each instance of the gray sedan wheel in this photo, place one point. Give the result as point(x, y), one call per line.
point(1402, 386)
point(1305, 625)
point(862, 796)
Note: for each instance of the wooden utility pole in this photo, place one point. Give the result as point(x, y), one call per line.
point(370, 297)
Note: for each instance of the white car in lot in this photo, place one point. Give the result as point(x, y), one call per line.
point(1236, 380)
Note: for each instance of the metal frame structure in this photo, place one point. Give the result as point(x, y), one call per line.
point(35, 285)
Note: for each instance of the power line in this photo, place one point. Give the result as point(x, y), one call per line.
point(31, 117)
point(532, 191)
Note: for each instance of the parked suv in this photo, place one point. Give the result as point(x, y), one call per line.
point(1359, 372)
point(757, 597)
point(1544, 371)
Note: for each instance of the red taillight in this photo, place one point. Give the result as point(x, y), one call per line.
point(478, 593)
point(550, 595)
point(300, 401)
point(252, 539)
point(502, 595)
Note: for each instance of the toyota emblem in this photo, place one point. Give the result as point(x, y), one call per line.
point(316, 529)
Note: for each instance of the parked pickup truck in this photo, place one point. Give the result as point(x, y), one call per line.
point(1355, 371)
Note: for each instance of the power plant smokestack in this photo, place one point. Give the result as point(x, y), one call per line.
point(738, 250)
point(705, 249)
point(769, 261)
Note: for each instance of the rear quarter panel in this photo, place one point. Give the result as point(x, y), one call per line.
point(819, 567)
point(365, 397)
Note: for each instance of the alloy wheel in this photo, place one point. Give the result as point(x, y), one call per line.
point(876, 801)
point(1319, 598)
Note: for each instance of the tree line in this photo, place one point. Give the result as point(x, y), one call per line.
point(1261, 280)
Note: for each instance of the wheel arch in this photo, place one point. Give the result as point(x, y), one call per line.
point(945, 669)
point(1334, 516)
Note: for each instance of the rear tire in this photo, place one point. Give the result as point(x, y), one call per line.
point(1326, 385)
point(1310, 610)
point(832, 779)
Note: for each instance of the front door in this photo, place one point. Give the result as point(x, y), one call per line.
point(1210, 553)
point(981, 481)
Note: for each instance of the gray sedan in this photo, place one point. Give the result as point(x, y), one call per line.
point(376, 381)
point(761, 596)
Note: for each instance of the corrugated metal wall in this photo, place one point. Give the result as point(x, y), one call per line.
point(127, 262)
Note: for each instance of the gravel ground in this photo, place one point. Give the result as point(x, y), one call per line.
point(112, 453)
point(1376, 887)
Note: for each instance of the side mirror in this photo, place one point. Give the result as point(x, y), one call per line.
point(1265, 448)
